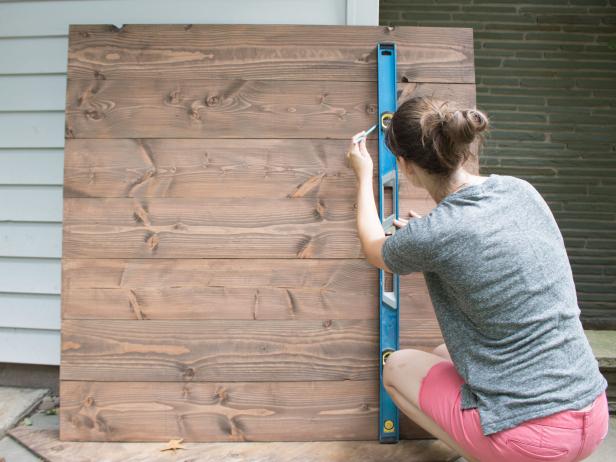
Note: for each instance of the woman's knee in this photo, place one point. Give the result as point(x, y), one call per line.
point(442, 351)
point(407, 365)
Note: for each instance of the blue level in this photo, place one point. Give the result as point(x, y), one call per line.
point(389, 315)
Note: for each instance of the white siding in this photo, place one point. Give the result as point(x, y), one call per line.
point(33, 56)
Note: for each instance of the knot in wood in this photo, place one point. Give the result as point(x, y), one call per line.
point(212, 100)
point(194, 114)
point(89, 401)
point(173, 97)
point(84, 34)
point(327, 323)
point(94, 115)
point(370, 108)
point(189, 373)
point(222, 394)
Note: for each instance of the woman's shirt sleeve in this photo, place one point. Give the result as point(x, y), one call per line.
point(409, 249)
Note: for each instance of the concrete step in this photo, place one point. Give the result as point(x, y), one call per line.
point(603, 344)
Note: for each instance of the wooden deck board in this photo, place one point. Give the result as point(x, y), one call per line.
point(46, 443)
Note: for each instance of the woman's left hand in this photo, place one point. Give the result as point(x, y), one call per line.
point(359, 159)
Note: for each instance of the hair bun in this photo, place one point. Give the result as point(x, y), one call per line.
point(463, 125)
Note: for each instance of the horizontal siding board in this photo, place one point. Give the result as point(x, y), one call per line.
point(49, 18)
point(31, 167)
point(30, 311)
point(43, 55)
point(19, 239)
point(32, 129)
point(29, 346)
point(233, 411)
point(222, 411)
point(31, 203)
point(30, 275)
point(32, 93)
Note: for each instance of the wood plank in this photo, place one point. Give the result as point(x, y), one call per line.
point(272, 51)
point(224, 411)
point(232, 108)
point(45, 442)
point(196, 289)
point(300, 227)
point(224, 228)
point(212, 168)
point(219, 350)
point(231, 411)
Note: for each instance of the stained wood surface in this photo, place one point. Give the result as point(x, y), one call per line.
point(273, 52)
point(231, 108)
point(172, 288)
point(213, 284)
point(231, 411)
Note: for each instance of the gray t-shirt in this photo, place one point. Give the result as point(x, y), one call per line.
point(498, 274)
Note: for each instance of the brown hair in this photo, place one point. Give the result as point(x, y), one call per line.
point(434, 134)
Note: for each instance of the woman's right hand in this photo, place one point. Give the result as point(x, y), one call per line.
point(401, 222)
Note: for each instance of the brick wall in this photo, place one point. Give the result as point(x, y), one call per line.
point(546, 77)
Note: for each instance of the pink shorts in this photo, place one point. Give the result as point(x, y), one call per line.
point(566, 436)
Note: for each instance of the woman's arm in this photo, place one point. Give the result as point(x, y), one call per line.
point(369, 227)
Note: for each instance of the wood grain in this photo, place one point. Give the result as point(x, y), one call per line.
point(232, 108)
point(221, 228)
point(267, 51)
point(255, 289)
point(223, 411)
point(213, 283)
point(219, 350)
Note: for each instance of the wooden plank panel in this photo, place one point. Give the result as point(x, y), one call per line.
point(219, 350)
point(273, 51)
point(210, 248)
point(198, 289)
point(212, 168)
point(247, 288)
point(219, 411)
point(224, 228)
point(230, 108)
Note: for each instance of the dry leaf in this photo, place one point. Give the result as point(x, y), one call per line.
point(172, 445)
